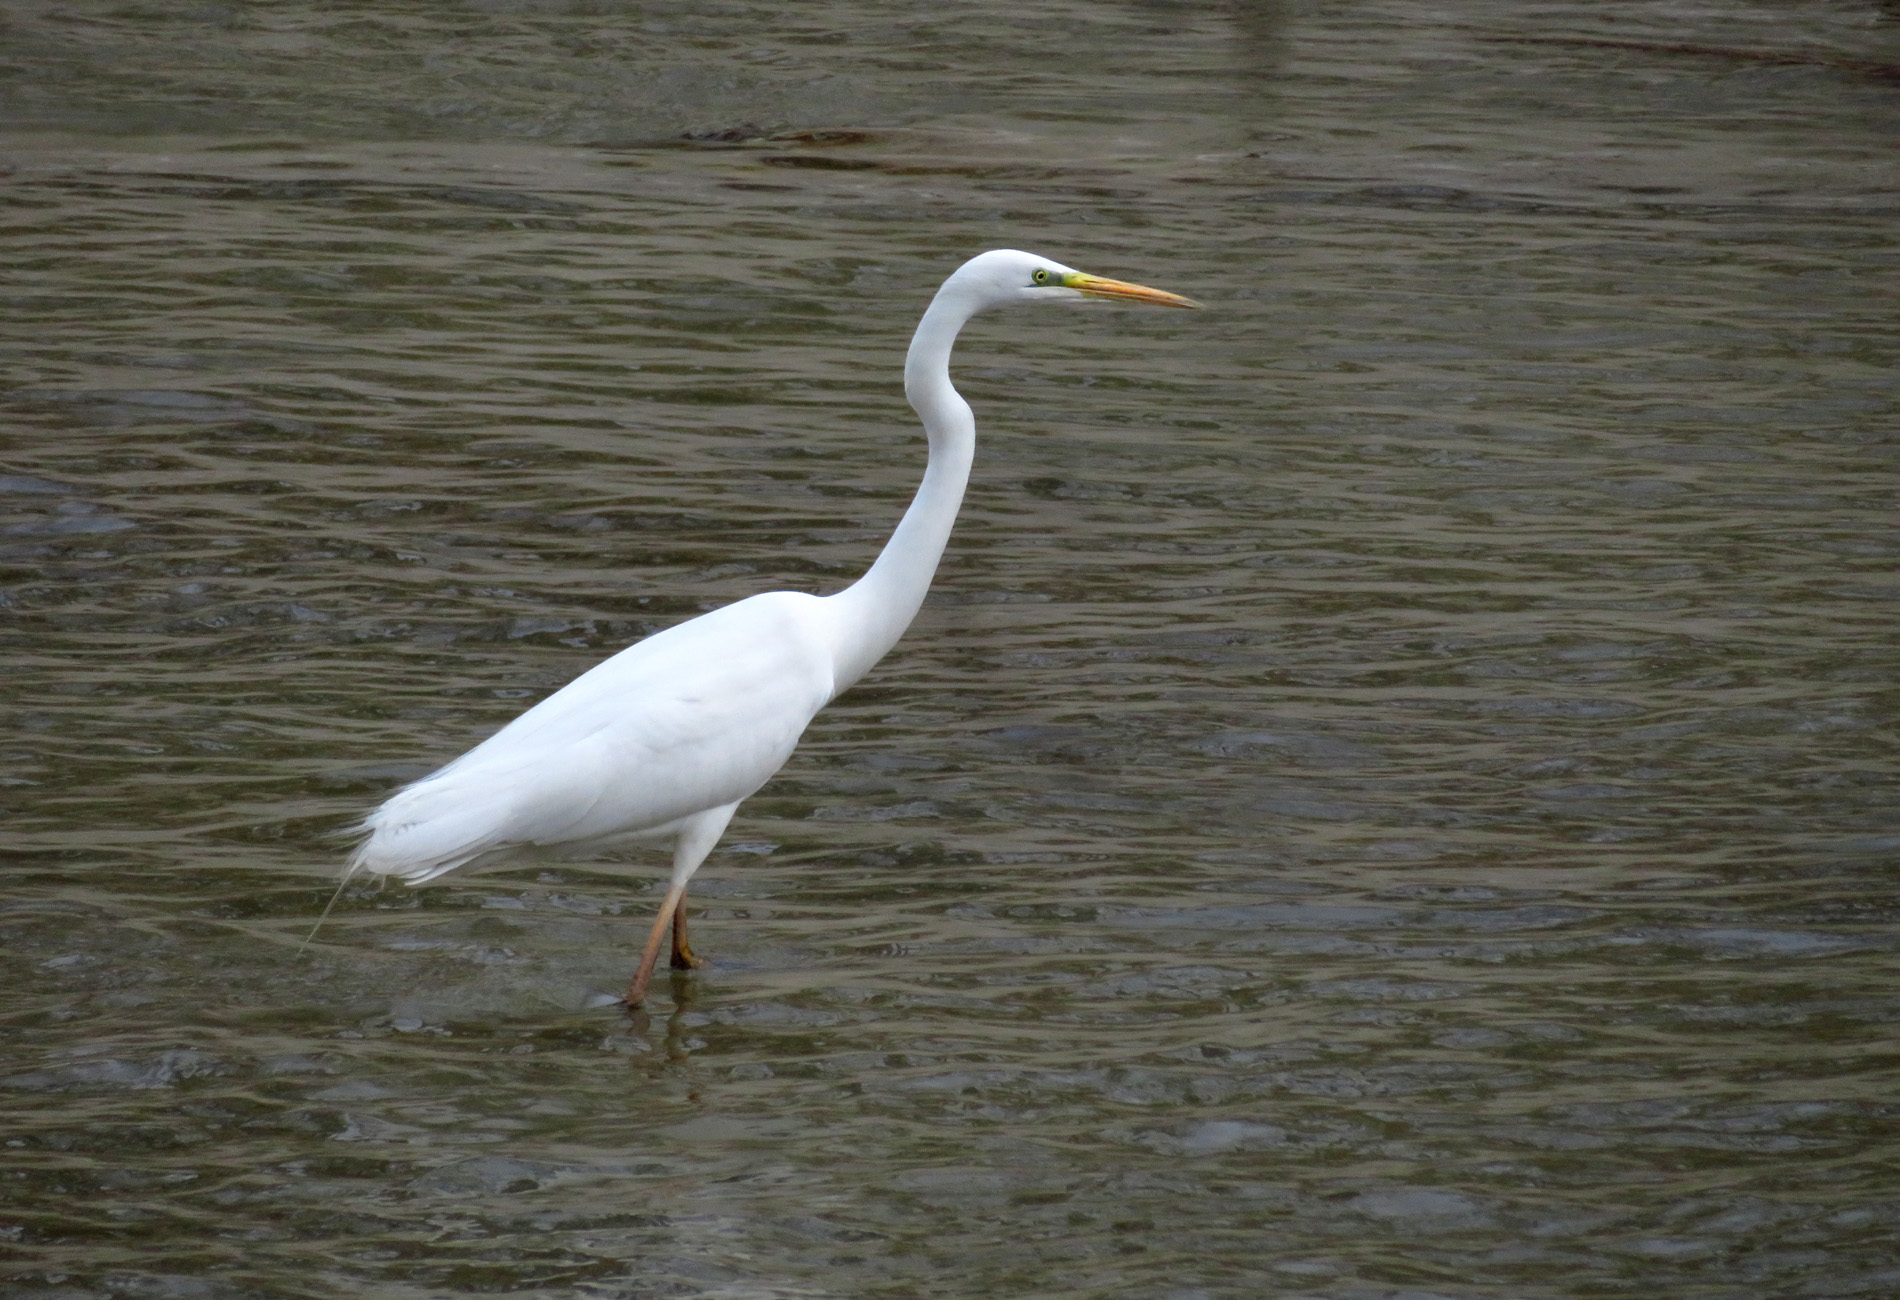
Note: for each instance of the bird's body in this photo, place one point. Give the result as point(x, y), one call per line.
point(692, 718)
point(665, 739)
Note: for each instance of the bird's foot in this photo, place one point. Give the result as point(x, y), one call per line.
point(685, 959)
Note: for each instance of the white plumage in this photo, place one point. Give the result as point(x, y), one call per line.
point(665, 739)
point(693, 718)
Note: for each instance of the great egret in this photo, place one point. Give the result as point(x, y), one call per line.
point(665, 739)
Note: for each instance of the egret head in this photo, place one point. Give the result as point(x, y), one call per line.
point(1005, 275)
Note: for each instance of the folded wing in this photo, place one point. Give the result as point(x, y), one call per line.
point(695, 717)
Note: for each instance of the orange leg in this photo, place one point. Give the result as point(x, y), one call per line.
point(637, 991)
point(683, 955)
point(698, 834)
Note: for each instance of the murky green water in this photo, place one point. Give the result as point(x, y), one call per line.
point(1393, 794)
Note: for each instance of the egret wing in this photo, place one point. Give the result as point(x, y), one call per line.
point(695, 717)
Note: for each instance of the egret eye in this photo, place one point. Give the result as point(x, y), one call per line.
point(1042, 277)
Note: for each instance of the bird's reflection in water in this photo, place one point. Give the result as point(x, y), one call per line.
point(674, 1037)
point(685, 990)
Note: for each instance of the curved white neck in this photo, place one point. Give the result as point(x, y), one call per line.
point(874, 611)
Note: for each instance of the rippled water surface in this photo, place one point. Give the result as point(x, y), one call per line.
point(1393, 791)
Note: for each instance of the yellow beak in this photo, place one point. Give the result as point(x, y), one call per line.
point(1096, 286)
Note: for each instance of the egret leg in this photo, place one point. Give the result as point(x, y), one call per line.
point(696, 840)
point(643, 973)
point(683, 956)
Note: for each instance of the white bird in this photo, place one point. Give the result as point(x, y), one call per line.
point(666, 739)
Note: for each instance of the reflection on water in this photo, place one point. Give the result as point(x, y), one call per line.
point(1391, 794)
